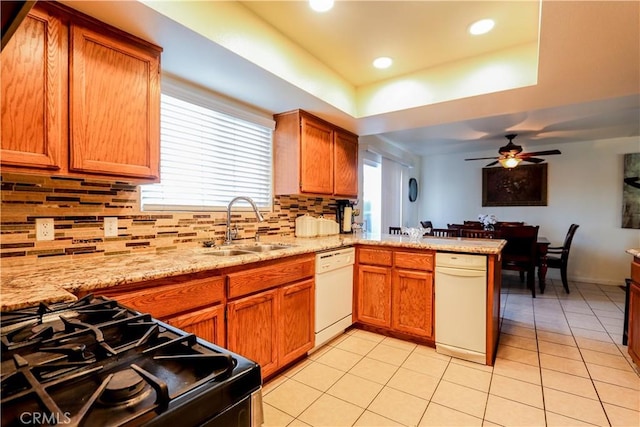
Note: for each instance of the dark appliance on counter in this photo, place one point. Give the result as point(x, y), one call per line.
point(344, 215)
point(94, 362)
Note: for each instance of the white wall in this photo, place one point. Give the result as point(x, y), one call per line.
point(584, 187)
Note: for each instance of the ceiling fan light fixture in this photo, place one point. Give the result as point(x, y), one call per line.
point(510, 162)
point(321, 5)
point(482, 26)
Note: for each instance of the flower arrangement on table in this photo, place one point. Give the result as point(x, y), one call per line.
point(488, 221)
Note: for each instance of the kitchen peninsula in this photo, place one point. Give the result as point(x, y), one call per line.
point(50, 282)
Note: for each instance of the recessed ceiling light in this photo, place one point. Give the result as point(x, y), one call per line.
point(482, 26)
point(321, 5)
point(382, 62)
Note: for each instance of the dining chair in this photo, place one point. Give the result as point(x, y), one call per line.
point(558, 256)
point(520, 252)
point(478, 234)
point(395, 230)
point(443, 232)
point(472, 224)
point(426, 224)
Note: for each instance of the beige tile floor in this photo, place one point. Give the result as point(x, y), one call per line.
point(560, 362)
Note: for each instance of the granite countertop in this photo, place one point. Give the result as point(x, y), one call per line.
point(49, 282)
point(634, 252)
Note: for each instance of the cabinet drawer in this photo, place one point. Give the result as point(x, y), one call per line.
point(414, 260)
point(162, 301)
point(261, 278)
point(635, 271)
point(375, 257)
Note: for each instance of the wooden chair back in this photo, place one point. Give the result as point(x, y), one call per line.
point(426, 224)
point(520, 252)
point(478, 234)
point(395, 230)
point(443, 232)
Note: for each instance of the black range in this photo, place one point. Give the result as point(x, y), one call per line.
point(94, 362)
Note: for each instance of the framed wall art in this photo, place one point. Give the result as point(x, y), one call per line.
point(520, 186)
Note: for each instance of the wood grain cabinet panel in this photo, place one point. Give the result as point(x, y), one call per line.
point(271, 315)
point(316, 161)
point(206, 323)
point(394, 290)
point(33, 82)
point(115, 106)
point(374, 295)
point(252, 329)
point(346, 164)
point(412, 302)
point(296, 315)
point(79, 98)
point(312, 156)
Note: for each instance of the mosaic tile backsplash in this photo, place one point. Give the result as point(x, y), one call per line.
point(78, 207)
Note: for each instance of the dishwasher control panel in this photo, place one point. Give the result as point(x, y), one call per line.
point(472, 262)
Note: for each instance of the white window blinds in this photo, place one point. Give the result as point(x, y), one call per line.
point(207, 158)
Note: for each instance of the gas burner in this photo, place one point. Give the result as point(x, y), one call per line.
point(100, 363)
point(125, 387)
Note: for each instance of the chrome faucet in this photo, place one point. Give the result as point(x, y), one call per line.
point(259, 217)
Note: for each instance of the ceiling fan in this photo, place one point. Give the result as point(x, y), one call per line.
point(511, 154)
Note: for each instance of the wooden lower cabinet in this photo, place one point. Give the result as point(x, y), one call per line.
point(273, 328)
point(297, 313)
point(394, 291)
point(252, 327)
point(374, 295)
point(206, 323)
point(412, 302)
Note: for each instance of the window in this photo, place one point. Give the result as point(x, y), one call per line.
point(210, 152)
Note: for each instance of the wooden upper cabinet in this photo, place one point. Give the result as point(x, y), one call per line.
point(33, 80)
point(114, 106)
point(346, 164)
point(79, 98)
point(316, 157)
point(312, 156)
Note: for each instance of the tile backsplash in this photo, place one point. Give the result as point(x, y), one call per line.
point(78, 207)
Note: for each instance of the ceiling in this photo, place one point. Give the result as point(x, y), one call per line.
point(279, 56)
point(417, 34)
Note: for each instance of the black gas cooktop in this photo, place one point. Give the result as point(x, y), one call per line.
point(96, 363)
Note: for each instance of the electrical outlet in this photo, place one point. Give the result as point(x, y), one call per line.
point(45, 229)
point(110, 226)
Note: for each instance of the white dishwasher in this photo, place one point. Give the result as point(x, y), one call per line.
point(334, 293)
point(461, 306)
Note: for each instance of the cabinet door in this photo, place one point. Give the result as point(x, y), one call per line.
point(316, 157)
point(114, 106)
point(252, 324)
point(634, 322)
point(296, 323)
point(207, 323)
point(346, 164)
point(33, 81)
point(412, 294)
point(374, 295)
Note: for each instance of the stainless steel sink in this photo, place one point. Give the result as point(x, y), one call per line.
point(248, 249)
point(228, 252)
point(264, 247)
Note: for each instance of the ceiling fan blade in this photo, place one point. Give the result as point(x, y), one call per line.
point(483, 158)
point(532, 159)
point(491, 164)
point(540, 153)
